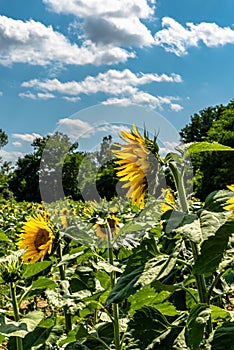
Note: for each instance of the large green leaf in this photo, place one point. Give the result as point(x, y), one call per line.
point(190, 228)
point(148, 296)
point(43, 339)
point(211, 221)
point(198, 147)
point(130, 282)
point(213, 249)
point(224, 337)
point(34, 269)
point(217, 199)
point(218, 314)
point(125, 286)
point(157, 268)
point(26, 325)
point(147, 325)
point(43, 283)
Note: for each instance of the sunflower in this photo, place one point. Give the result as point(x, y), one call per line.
point(64, 214)
point(101, 229)
point(230, 201)
point(134, 165)
point(169, 201)
point(37, 239)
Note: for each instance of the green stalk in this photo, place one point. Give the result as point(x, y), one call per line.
point(18, 340)
point(200, 280)
point(113, 280)
point(68, 317)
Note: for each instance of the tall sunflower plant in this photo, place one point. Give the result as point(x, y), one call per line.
point(186, 282)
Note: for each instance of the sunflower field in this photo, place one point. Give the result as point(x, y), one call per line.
point(153, 269)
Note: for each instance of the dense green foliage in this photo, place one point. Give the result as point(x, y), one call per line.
point(213, 171)
point(56, 168)
point(153, 284)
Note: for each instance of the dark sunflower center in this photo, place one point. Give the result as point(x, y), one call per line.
point(41, 238)
point(112, 223)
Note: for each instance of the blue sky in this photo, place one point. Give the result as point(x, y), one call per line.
point(60, 57)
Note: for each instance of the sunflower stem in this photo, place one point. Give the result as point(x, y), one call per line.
point(115, 306)
point(68, 317)
point(18, 340)
point(200, 279)
point(179, 181)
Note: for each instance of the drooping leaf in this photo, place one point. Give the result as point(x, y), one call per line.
point(213, 249)
point(103, 331)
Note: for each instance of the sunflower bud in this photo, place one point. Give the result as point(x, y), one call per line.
point(11, 270)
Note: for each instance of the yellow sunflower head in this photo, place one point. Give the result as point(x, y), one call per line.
point(64, 214)
point(230, 201)
point(169, 201)
point(133, 163)
point(101, 229)
point(36, 238)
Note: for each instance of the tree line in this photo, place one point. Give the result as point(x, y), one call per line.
point(58, 166)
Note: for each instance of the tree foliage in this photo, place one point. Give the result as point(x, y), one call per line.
point(213, 170)
point(56, 169)
point(43, 165)
point(3, 138)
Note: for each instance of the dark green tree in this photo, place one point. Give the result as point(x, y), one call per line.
point(106, 176)
point(200, 124)
point(97, 175)
point(3, 138)
point(4, 169)
point(40, 173)
point(213, 170)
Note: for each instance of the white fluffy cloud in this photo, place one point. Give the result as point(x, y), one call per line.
point(1, 93)
point(142, 98)
point(36, 44)
point(39, 95)
point(112, 8)
point(113, 82)
point(75, 128)
point(26, 137)
point(110, 22)
point(17, 144)
point(10, 156)
point(122, 85)
point(178, 39)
